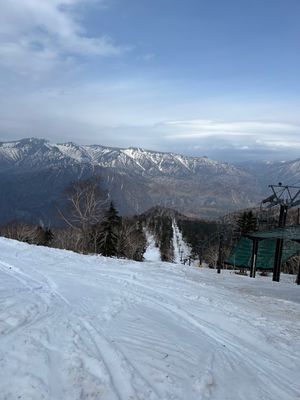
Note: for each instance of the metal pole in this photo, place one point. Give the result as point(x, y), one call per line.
point(286, 197)
point(279, 244)
point(254, 258)
point(298, 275)
point(220, 256)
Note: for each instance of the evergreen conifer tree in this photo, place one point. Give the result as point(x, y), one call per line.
point(246, 222)
point(109, 233)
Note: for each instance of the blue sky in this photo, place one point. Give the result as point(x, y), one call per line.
point(217, 78)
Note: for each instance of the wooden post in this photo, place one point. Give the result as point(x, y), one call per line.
point(200, 257)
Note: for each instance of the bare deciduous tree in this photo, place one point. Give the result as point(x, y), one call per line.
point(67, 238)
point(32, 234)
point(132, 242)
point(86, 202)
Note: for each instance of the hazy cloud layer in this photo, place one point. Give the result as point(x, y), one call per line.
point(97, 71)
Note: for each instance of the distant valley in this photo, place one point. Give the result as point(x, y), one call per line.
point(34, 174)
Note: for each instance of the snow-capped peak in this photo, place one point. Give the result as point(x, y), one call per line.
point(35, 152)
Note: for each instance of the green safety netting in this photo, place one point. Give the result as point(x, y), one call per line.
point(286, 233)
point(240, 256)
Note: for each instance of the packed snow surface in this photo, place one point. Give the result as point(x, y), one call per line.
point(152, 252)
point(181, 250)
point(86, 327)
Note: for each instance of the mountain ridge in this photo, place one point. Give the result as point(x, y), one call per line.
point(100, 155)
point(34, 174)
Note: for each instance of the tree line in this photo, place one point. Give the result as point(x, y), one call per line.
point(91, 225)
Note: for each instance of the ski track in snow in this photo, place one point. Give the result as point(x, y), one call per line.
point(86, 327)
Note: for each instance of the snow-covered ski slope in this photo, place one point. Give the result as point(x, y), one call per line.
point(181, 249)
point(152, 252)
point(85, 327)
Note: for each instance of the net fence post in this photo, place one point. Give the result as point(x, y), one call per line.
point(254, 257)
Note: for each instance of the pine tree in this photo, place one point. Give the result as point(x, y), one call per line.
point(246, 222)
point(107, 243)
point(43, 236)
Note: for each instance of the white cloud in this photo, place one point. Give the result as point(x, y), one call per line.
point(37, 35)
point(206, 128)
point(238, 135)
point(151, 114)
point(279, 144)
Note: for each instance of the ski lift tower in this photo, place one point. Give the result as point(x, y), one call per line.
point(286, 197)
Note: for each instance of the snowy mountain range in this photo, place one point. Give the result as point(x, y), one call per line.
point(34, 174)
point(35, 153)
